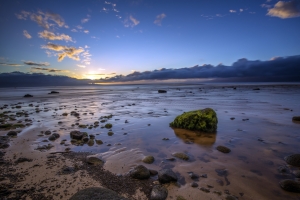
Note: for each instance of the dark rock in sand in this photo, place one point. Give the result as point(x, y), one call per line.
point(201, 120)
point(182, 156)
point(231, 197)
point(96, 193)
point(193, 175)
point(28, 95)
point(53, 92)
point(162, 91)
point(148, 159)
point(1, 154)
point(223, 149)
point(293, 159)
point(54, 136)
point(4, 142)
point(194, 184)
point(12, 133)
point(296, 118)
point(20, 160)
point(166, 176)
point(256, 89)
point(296, 173)
point(77, 135)
point(204, 189)
point(153, 172)
point(95, 161)
point(47, 132)
point(290, 185)
point(158, 192)
point(139, 172)
point(283, 169)
point(44, 147)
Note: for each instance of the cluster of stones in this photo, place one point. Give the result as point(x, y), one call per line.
point(290, 184)
point(81, 138)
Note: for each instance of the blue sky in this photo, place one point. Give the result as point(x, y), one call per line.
point(97, 39)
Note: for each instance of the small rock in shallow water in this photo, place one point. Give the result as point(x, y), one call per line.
point(293, 159)
point(290, 185)
point(99, 142)
point(182, 156)
point(148, 159)
point(47, 132)
point(223, 149)
point(193, 175)
point(166, 176)
point(159, 192)
point(139, 172)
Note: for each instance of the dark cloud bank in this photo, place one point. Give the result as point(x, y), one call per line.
point(280, 69)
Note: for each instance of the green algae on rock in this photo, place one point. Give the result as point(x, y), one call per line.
point(201, 120)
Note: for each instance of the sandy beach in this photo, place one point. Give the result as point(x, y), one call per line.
point(254, 122)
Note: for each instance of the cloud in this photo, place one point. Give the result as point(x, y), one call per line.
point(82, 66)
point(37, 64)
point(74, 30)
point(47, 69)
point(159, 19)
point(283, 67)
point(131, 22)
point(241, 10)
point(43, 19)
point(86, 31)
point(265, 6)
point(26, 34)
point(65, 51)
point(232, 11)
point(10, 64)
point(51, 36)
point(285, 10)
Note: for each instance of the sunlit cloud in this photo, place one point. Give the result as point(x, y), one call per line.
point(26, 34)
point(64, 51)
point(159, 19)
point(86, 31)
point(85, 20)
point(265, 6)
point(82, 66)
point(41, 64)
point(51, 36)
point(285, 10)
point(101, 69)
point(232, 11)
point(241, 10)
point(10, 64)
point(131, 22)
point(34, 69)
point(79, 27)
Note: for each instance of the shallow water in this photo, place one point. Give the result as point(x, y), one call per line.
point(259, 137)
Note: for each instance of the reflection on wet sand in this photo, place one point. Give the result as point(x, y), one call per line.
point(188, 136)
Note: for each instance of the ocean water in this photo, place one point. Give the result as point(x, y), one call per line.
point(260, 136)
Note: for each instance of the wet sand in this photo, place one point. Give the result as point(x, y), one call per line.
point(255, 124)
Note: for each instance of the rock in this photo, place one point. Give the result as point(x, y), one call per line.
point(28, 95)
point(77, 135)
point(296, 173)
point(296, 118)
point(85, 139)
point(92, 136)
point(290, 185)
point(2, 154)
point(231, 197)
point(148, 159)
point(223, 149)
point(53, 92)
point(47, 132)
point(110, 133)
point(44, 147)
point(99, 142)
point(162, 91)
point(166, 176)
point(91, 142)
point(96, 193)
point(182, 156)
point(158, 192)
point(256, 89)
point(193, 175)
point(194, 184)
point(204, 189)
point(12, 133)
point(22, 159)
point(201, 120)
point(293, 159)
point(108, 125)
point(139, 172)
point(95, 161)
point(54, 136)
point(153, 172)
point(283, 169)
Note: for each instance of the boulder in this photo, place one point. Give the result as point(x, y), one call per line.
point(200, 120)
point(139, 172)
point(148, 159)
point(158, 192)
point(166, 176)
point(96, 193)
point(293, 159)
point(290, 185)
point(12, 133)
point(77, 135)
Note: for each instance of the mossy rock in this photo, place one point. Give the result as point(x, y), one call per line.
point(108, 125)
point(223, 149)
point(182, 156)
point(200, 120)
point(110, 133)
point(148, 159)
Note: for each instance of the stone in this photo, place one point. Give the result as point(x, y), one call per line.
point(12, 133)
point(110, 133)
point(194, 184)
point(204, 189)
point(47, 132)
point(193, 175)
point(293, 159)
point(96, 193)
point(296, 118)
point(231, 197)
point(182, 156)
point(200, 120)
point(290, 185)
point(28, 95)
point(283, 169)
point(158, 192)
point(223, 149)
point(296, 173)
point(108, 125)
point(166, 176)
point(148, 159)
point(92, 136)
point(139, 172)
point(99, 142)
point(54, 136)
point(94, 161)
point(22, 159)
point(91, 142)
point(85, 139)
point(162, 91)
point(53, 92)
point(153, 172)
point(77, 135)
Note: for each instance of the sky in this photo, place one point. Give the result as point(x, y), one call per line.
point(125, 40)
